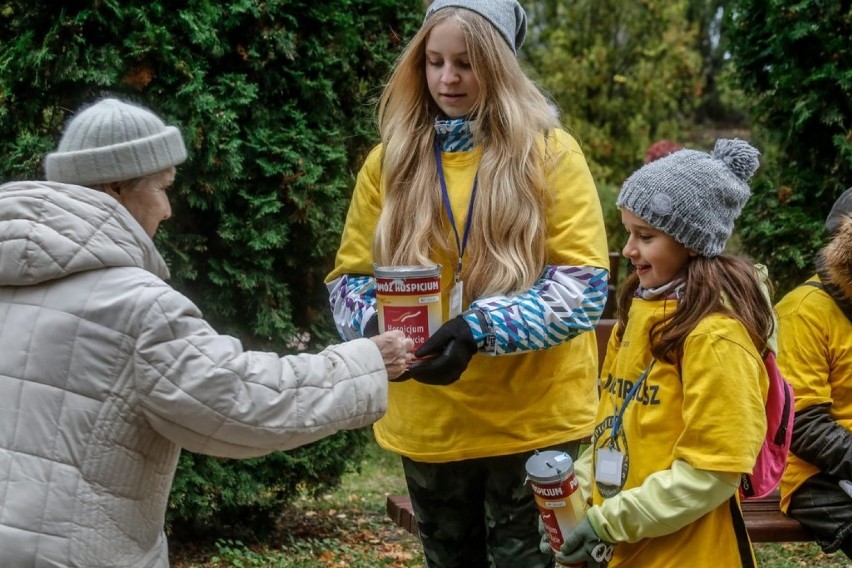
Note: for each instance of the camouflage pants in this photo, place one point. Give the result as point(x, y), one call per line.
point(478, 513)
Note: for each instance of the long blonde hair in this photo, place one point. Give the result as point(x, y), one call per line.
point(507, 249)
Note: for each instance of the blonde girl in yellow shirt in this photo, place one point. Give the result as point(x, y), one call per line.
point(476, 174)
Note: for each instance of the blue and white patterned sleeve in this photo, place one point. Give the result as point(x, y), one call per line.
point(353, 303)
point(564, 302)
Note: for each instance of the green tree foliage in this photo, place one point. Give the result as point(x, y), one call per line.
point(624, 74)
point(243, 497)
point(273, 101)
point(716, 106)
point(794, 61)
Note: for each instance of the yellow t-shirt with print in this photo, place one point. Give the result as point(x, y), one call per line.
point(707, 410)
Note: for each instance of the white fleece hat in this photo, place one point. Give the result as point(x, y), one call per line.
point(113, 140)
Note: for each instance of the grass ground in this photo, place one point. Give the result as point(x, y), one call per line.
point(345, 529)
point(349, 529)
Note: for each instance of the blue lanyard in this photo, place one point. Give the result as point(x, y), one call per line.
point(461, 244)
point(616, 422)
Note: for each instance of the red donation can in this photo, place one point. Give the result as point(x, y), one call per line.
point(408, 298)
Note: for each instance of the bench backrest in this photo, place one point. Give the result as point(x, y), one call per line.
point(602, 333)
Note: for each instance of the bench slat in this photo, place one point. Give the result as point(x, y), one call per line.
point(763, 519)
point(766, 523)
point(400, 511)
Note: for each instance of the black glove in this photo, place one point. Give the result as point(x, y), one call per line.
point(584, 545)
point(371, 329)
point(450, 348)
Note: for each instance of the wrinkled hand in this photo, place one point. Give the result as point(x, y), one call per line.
point(396, 349)
point(583, 545)
point(448, 353)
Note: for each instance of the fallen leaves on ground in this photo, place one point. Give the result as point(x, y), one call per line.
point(360, 538)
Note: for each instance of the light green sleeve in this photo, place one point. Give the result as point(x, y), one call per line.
point(666, 502)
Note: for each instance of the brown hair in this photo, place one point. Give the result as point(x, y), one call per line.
point(723, 284)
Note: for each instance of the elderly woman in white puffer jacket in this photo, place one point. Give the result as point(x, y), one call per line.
point(106, 371)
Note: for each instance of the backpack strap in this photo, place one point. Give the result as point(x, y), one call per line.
point(743, 543)
point(845, 306)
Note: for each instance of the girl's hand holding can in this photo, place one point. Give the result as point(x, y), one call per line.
point(396, 350)
point(583, 547)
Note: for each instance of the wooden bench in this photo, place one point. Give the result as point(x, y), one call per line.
point(615, 263)
point(763, 518)
point(766, 523)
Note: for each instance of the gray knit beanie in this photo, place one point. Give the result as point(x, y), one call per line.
point(841, 208)
point(113, 140)
point(692, 196)
point(505, 15)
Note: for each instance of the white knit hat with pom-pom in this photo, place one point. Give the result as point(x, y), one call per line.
point(113, 140)
point(693, 196)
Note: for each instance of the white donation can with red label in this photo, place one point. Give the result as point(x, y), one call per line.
point(557, 494)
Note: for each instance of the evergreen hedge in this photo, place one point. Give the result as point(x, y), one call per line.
point(794, 61)
point(273, 99)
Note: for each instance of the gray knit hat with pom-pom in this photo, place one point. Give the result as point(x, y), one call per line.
point(693, 196)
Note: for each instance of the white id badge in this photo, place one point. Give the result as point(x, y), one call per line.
point(456, 298)
point(608, 464)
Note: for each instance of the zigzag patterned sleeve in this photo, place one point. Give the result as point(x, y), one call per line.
point(564, 302)
point(353, 302)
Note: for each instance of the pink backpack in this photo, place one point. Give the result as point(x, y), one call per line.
point(779, 431)
point(772, 457)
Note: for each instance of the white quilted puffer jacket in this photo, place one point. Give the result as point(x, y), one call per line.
point(106, 372)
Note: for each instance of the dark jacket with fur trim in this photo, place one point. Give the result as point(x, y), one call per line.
point(815, 355)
